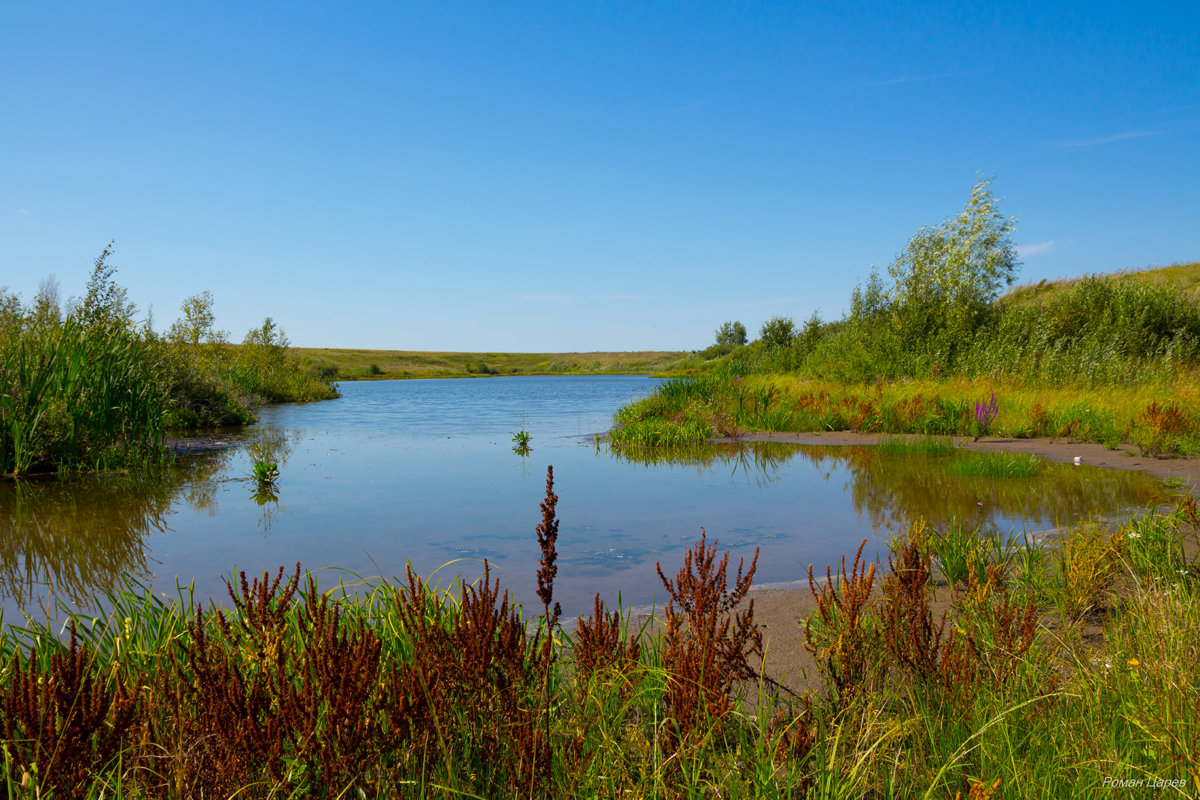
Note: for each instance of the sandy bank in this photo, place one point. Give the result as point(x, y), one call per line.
point(781, 611)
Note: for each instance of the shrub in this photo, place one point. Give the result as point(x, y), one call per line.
point(778, 332)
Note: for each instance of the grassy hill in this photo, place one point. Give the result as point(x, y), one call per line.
point(362, 364)
point(349, 364)
point(1185, 277)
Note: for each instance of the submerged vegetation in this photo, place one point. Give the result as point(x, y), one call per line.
point(936, 350)
point(1035, 676)
point(87, 387)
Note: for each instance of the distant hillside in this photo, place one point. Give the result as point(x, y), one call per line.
point(1185, 277)
point(345, 364)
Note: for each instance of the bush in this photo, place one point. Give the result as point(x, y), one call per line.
point(778, 332)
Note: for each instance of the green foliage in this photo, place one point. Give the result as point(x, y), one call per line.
point(921, 446)
point(105, 303)
point(90, 390)
point(778, 332)
point(266, 345)
point(265, 473)
point(948, 276)
point(656, 432)
point(197, 326)
point(479, 367)
point(731, 334)
point(72, 395)
point(944, 285)
point(958, 552)
point(940, 314)
point(996, 465)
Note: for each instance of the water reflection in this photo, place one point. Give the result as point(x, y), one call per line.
point(370, 482)
point(891, 491)
point(273, 448)
point(74, 540)
point(757, 461)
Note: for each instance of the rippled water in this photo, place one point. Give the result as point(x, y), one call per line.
point(424, 472)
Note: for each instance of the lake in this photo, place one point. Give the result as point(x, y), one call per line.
point(424, 472)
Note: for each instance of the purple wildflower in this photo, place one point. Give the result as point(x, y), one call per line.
point(986, 412)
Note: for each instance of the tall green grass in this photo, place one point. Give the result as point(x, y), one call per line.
point(920, 446)
point(88, 389)
point(74, 395)
point(996, 465)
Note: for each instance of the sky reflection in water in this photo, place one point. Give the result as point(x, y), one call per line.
point(424, 472)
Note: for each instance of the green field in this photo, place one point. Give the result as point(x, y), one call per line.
point(384, 364)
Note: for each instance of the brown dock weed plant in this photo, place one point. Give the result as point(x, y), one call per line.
point(62, 720)
point(707, 644)
point(841, 642)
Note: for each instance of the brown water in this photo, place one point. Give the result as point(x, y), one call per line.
point(424, 472)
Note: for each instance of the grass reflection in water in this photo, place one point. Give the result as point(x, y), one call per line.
point(77, 540)
point(894, 487)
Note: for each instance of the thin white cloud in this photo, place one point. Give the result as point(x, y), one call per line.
point(920, 78)
point(23, 211)
point(1116, 137)
point(1026, 250)
point(1174, 109)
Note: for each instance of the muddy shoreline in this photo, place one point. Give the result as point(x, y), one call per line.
point(781, 611)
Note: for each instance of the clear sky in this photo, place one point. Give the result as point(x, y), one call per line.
point(567, 176)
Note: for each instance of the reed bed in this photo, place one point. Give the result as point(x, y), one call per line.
point(1055, 671)
point(89, 389)
point(70, 394)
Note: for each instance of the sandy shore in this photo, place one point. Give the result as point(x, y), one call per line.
point(781, 611)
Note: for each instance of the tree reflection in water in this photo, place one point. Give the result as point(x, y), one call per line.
point(76, 540)
point(894, 490)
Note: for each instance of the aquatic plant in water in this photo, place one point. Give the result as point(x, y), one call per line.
point(521, 439)
point(265, 473)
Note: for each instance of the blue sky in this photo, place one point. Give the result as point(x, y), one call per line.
point(576, 176)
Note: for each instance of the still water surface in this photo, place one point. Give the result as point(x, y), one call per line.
point(424, 472)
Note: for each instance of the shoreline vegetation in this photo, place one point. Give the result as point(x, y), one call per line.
point(969, 665)
point(964, 666)
point(86, 387)
point(936, 350)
